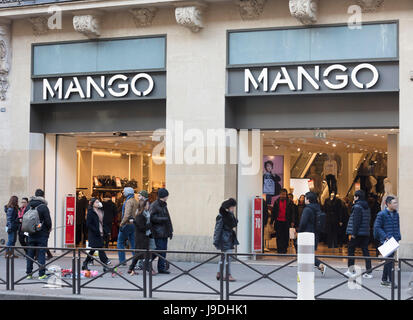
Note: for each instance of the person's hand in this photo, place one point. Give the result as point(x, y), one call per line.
point(170, 238)
point(340, 224)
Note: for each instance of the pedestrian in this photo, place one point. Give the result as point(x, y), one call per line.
point(162, 228)
point(41, 236)
point(386, 226)
point(109, 213)
point(22, 236)
point(127, 228)
point(94, 222)
point(308, 224)
point(143, 235)
point(143, 195)
point(12, 226)
point(358, 230)
point(283, 217)
point(225, 238)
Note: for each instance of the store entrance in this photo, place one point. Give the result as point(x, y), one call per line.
point(333, 164)
point(106, 164)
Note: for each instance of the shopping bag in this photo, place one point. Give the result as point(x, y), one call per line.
point(388, 247)
point(293, 234)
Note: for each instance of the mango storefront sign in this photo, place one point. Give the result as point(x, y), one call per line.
point(313, 79)
point(108, 87)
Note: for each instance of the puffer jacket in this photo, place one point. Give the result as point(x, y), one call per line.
point(161, 220)
point(386, 227)
point(359, 221)
point(225, 237)
point(307, 222)
point(12, 219)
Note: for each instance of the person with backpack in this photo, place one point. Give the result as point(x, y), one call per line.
point(22, 236)
point(38, 224)
point(12, 213)
point(94, 222)
point(358, 229)
point(312, 221)
point(386, 226)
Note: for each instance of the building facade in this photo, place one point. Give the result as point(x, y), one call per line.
point(138, 66)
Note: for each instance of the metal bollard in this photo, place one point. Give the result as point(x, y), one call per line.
point(305, 266)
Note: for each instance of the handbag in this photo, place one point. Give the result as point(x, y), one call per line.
point(293, 234)
point(388, 247)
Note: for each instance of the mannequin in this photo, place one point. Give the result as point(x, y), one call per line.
point(388, 191)
point(333, 210)
point(330, 170)
point(317, 181)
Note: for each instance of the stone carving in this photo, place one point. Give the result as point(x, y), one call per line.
point(39, 25)
point(143, 17)
point(370, 5)
point(304, 10)
point(89, 25)
point(4, 60)
point(190, 17)
point(251, 9)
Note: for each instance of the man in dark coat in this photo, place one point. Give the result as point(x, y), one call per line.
point(109, 213)
point(358, 229)
point(81, 208)
point(386, 226)
point(283, 217)
point(161, 226)
point(41, 237)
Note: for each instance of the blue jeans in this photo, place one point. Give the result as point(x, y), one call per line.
point(227, 262)
point(11, 239)
point(127, 232)
point(37, 241)
point(161, 244)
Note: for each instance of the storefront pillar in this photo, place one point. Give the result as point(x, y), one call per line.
point(393, 161)
point(249, 186)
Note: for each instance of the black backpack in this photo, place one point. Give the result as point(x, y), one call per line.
point(320, 222)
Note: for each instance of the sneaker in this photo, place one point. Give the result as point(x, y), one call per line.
point(349, 274)
point(44, 277)
point(323, 269)
point(385, 284)
point(367, 276)
point(29, 277)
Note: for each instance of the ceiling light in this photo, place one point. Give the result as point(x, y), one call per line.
point(327, 142)
point(298, 149)
point(334, 145)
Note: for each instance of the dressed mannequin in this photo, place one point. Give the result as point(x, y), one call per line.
point(330, 170)
point(317, 181)
point(388, 191)
point(333, 210)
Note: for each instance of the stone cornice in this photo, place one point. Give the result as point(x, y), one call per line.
point(190, 16)
point(304, 11)
point(88, 24)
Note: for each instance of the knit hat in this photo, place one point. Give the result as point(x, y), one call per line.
point(162, 193)
point(144, 194)
point(229, 203)
point(127, 191)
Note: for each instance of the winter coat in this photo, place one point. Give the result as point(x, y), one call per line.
point(141, 226)
point(92, 223)
point(225, 237)
point(44, 215)
point(290, 212)
point(333, 209)
point(12, 219)
point(386, 227)
point(359, 222)
point(109, 213)
point(161, 220)
point(81, 208)
point(131, 206)
point(307, 222)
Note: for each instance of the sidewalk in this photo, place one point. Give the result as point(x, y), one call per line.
point(286, 277)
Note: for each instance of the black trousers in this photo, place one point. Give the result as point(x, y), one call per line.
point(332, 183)
point(102, 256)
point(387, 270)
point(283, 236)
point(363, 243)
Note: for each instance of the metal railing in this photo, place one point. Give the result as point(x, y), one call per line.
point(224, 291)
point(408, 263)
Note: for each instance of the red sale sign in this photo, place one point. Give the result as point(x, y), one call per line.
point(70, 203)
point(257, 230)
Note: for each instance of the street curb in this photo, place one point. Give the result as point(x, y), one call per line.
point(28, 296)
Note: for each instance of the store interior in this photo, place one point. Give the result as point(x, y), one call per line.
point(333, 164)
point(109, 162)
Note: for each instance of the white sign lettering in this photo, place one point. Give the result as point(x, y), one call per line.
point(117, 86)
point(335, 77)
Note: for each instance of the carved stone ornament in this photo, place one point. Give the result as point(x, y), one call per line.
point(4, 60)
point(190, 17)
point(304, 11)
point(39, 25)
point(251, 9)
point(89, 25)
point(143, 17)
point(370, 5)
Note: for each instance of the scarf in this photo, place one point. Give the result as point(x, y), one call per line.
point(228, 218)
point(124, 204)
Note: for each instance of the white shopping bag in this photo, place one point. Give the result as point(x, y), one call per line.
point(293, 234)
point(388, 247)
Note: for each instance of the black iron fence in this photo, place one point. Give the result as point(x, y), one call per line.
point(147, 287)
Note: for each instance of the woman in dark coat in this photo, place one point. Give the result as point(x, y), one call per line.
point(143, 236)
point(12, 213)
point(225, 238)
point(94, 223)
point(332, 208)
